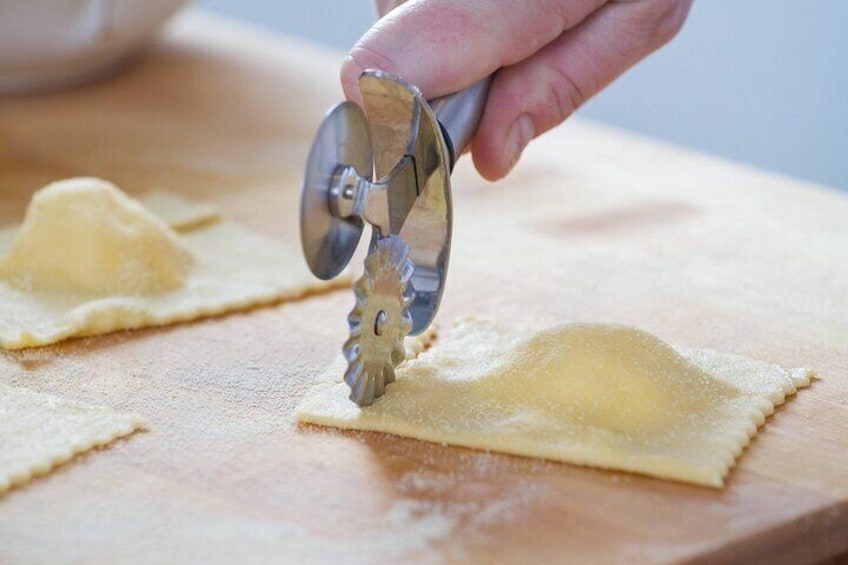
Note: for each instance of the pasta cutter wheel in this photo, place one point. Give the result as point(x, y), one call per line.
point(389, 166)
point(379, 321)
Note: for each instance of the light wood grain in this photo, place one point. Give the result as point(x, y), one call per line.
point(594, 225)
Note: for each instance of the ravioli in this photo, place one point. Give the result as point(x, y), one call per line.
point(86, 237)
point(88, 260)
point(600, 395)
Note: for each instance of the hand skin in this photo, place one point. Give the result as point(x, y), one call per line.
point(550, 57)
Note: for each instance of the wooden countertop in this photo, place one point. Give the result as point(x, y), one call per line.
point(595, 224)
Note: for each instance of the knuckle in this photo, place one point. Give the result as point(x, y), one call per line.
point(663, 19)
point(564, 96)
point(366, 57)
point(549, 97)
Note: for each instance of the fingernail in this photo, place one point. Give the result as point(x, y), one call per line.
point(519, 136)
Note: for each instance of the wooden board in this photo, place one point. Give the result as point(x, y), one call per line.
point(595, 224)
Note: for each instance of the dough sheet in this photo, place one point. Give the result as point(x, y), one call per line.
point(179, 213)
point(39, 432)
point(90, 260)
point(600, 395)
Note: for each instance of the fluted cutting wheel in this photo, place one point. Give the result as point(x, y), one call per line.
point(379, 321)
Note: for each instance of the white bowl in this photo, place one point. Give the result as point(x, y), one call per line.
point(51, 43)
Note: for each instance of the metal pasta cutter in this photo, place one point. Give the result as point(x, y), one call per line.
point(388, 166)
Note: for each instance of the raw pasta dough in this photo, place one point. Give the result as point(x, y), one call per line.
point(600, 395)
point(89, 260)
point(179, 213)
point(39, 432)
point(84, 236)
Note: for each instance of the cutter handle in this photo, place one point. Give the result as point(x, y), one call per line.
point(459, 114)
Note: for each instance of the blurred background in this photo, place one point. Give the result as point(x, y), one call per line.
point(764, 82)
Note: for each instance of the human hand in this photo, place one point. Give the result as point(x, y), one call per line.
point(551, 56)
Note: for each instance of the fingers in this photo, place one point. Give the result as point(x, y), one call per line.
point(442, 46)
point(556, 54)
point(538, 93)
